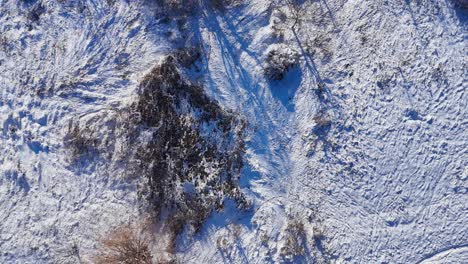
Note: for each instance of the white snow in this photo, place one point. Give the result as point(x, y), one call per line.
point(365, 142)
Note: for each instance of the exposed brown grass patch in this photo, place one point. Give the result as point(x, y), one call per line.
point(124, 245)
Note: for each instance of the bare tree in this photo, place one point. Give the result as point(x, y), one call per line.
point(297, 13)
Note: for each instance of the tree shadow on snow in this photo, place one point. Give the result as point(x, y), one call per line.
point(285, 89)
point(461, 13)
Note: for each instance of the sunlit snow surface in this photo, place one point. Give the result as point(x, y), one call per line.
point(365, 142)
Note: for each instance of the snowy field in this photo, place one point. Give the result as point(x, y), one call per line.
point(364, 142)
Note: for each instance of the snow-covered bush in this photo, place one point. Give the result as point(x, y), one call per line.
point(36, 12)
point(97, 137)
point(279, 60)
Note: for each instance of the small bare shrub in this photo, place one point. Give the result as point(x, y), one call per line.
point(322, 120)
point(190, 7)
point(124, 245)
point(80, 141)
point(227, 242)
point(296, 13)
point(280, 59)
point(323, 125)
point(320, 45)
point(97, 137)
point(222, 243)
point(218, 4)
point(295, 240)
point(318, 233)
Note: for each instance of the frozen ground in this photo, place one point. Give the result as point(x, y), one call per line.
point(365, 143)
point(64, 66)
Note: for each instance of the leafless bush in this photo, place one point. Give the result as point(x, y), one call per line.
point(127, 244)
point(295, 240)
point(296, 13)
point(279, 61)
point(68, 252)
point(320, 44)
point(289, 15)
point(80, 141)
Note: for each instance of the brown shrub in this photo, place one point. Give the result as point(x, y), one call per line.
point(124, 245)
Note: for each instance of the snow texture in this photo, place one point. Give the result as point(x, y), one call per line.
point(364, 143)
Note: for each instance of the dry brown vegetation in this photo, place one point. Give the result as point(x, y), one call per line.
point(127, 244)
point(194, 158)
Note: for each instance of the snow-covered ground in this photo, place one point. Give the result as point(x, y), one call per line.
point(63, 67)
point(364, 143)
